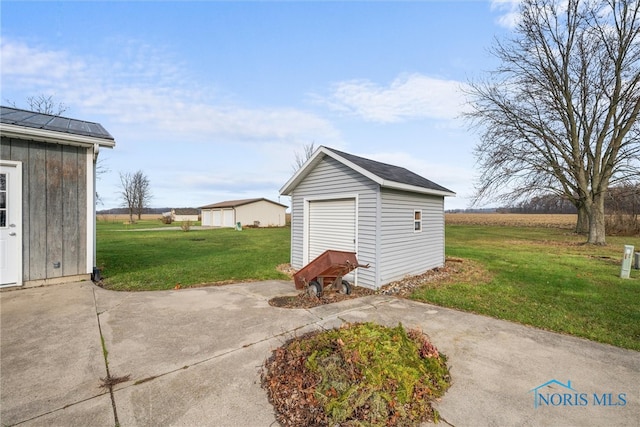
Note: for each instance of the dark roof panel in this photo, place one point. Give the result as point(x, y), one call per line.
point(31, 119)
point(59, 124)
point(390, 172)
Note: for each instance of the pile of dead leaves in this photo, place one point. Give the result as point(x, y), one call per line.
point(359, 374)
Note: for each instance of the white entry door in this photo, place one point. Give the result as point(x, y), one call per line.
point(10, 223)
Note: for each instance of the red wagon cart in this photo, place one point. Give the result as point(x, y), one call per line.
point(328, 269)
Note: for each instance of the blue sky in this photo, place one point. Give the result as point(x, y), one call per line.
point(211, 100)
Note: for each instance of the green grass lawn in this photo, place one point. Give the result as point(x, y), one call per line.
point(133, 259)
point(542, 277)
point(545, 278)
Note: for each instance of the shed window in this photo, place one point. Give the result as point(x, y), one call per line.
point(417, 221)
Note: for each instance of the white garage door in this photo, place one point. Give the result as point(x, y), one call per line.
point(228, 218)
point(332, 225)
point(217, 219)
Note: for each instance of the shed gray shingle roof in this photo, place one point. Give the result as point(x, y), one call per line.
point(390, 172)
point(386, 175)
point(31, 119)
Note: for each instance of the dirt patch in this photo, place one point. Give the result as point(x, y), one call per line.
point(304, 300)
point(455, 270)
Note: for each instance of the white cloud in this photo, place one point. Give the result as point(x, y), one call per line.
point(509, 12)
point(145, 87)
point(408, 97)
point(193, 142)
point(36, 67)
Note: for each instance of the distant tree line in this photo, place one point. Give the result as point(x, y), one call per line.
point(123, 211)
point(546, 204)
point(623, 199)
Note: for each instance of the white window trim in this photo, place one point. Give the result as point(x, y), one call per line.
point(417, 220)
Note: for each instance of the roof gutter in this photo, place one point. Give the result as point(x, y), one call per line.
point(21, 132)
point(415, 189)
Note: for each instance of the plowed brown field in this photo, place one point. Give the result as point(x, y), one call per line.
point(513, 220)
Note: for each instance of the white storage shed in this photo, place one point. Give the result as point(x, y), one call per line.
point(391, 217)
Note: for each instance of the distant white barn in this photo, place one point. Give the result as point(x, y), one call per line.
point(183, 214)
point(259, 212)
point(391, 217)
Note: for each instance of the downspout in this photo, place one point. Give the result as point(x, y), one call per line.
point(95, 276)
point(235, 217)
point(378, 239)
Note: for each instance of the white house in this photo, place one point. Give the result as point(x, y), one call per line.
point(391, 217)
point(183, 214)
point(47, 202)
point(249, 212)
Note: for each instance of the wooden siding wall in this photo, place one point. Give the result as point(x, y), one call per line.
point(403, 251)
point(54, 206)
point(327, 179)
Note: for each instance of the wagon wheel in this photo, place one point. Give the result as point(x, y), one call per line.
point(345, 288)
point(314, 289)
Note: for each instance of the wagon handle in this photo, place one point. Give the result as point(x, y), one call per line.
point(358, 265)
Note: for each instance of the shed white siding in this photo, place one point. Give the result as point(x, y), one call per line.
point(403, 251)
point(266, 213)
point(331, 180)
point(183, 218)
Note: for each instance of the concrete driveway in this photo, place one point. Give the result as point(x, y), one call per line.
point(193, 358)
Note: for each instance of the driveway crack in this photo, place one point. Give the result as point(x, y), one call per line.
point(109, 381)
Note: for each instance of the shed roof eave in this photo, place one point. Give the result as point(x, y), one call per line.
point(293, 182)
point(415, 189)
point(287, 189)
point(316, 158)
point(21, 132)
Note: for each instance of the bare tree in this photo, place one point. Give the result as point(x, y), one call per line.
point(143, 192)
point(135, 192)
point(101, 169)
point(559, 114)
point(44, 104)
point(302, 157)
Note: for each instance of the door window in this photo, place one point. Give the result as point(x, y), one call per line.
point(3, 200)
